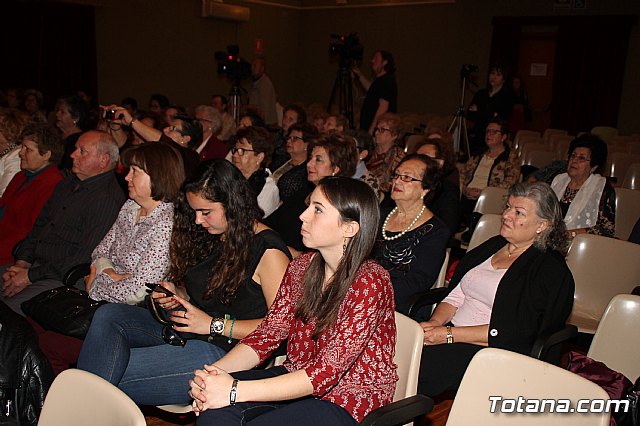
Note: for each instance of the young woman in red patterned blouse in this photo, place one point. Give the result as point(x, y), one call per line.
point(335, 308)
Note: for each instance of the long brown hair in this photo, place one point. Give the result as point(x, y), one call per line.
point(220, 182)
point(356, 202)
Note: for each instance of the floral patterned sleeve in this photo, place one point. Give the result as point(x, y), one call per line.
point(606, 223)
point(511, 170)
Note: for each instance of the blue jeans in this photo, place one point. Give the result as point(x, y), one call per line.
point(307, 411)
point(124, 346)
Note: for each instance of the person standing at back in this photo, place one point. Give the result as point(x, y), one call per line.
point(263, 94)
point(382, 92)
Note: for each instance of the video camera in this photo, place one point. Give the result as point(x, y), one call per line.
point(467, 70)
point(232, 65)
point(347, 47)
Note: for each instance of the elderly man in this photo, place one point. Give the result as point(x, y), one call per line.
point(72, 223)
point(220, 103)
point(211, 147)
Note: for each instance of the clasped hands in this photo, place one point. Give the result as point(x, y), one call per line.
point(210, 388)
point(434, 334)
point(15, 278)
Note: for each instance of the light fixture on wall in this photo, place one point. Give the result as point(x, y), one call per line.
point(228, 12)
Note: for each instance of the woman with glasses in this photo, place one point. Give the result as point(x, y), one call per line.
point(412, 241)
point(496, 166)
point(586, 198)
point(291, 177)
point(250, 154)
point(388, 153)
point(225, 270)
point(334, 309)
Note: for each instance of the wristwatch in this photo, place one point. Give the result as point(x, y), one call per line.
point(217, 326)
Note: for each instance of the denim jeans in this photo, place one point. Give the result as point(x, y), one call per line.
point(306, 411)
point(124, 346)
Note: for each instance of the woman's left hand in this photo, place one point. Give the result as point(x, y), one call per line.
point(114, 275)
point(210, 389)
point(435, 335)
point(191, 319)
point(88, 279)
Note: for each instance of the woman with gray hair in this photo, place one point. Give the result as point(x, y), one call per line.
point(211, 147)
point(505, 293)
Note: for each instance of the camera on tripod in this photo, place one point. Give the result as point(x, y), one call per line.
point(231, 64)
point(467, 70)
point(347, 47)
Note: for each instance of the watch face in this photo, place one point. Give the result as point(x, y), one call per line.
point(218, 326)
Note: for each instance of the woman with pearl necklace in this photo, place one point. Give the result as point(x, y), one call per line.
point(412, 242)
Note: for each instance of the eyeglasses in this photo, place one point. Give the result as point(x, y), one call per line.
point(492, 132)
point(176, 129)
point(381, 129)
point(295, 138)
point(579, 158)
point(404, 178)
point(241, 151)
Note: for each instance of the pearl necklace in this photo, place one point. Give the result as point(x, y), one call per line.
point(384, 225)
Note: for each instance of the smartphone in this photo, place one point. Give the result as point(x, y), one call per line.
point(159, 289)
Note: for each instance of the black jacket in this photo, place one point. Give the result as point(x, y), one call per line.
point(25, 373)
point(535, 295)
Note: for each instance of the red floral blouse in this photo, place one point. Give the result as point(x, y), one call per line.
point(351, 362)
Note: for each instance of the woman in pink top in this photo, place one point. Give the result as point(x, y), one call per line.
point(335, 309)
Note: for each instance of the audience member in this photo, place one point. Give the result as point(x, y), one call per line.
point(250, 154)
point(319, 119)
point(34, 105)
point(250, 119)
point(211, 147)
point(79, 213)
point(263, 94)
point(388, 153)
point(331, 155)
point(30, 188)
point(228, 128)
point(12, 123)
point(226, 268)
point(335, 309)
point(72, 120)
point(291, 177)
point(587, 200)
point(336, 123)
point(412, 241)
point(292, 114)
point(366, 147)
point(382, 92)
point(496, 101)
point(158, 103)
point(505, 293)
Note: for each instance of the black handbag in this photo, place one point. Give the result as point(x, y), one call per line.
point(65, 310)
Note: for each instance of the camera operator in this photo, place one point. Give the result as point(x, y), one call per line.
point(263, 94)
point(496, 101)
point(382, 92)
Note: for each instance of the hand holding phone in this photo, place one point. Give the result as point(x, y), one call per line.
point(159, 289)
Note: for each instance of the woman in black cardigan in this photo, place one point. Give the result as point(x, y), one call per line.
point(504, 293)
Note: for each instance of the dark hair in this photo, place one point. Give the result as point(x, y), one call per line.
point(504, 125)
point(444, 151)
point(77, 109)
point(223, 99)
point(164, 166)
point(500, 68)
point(391, 63)
point(260, 141)
point(364, 141)
point(46, 137)
point(547, 208)
point(162, 100)
point(356, 202)
point(308, 130)
point(37, 94)
point(302, 114)
point(596, 145)
point(129, 101)
point(256, 120)
point(218, 181)
point(342, 151)
point(432, 177)
point(191, 127)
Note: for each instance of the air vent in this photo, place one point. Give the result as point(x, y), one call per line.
point(228, 12)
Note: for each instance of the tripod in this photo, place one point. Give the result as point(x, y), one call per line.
point(343, 91)
point(234, 101)
point(459, 123)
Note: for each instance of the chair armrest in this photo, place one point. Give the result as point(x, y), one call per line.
point(399, 412)
point(546, 341)
point(429, 297)
point(75, 273)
